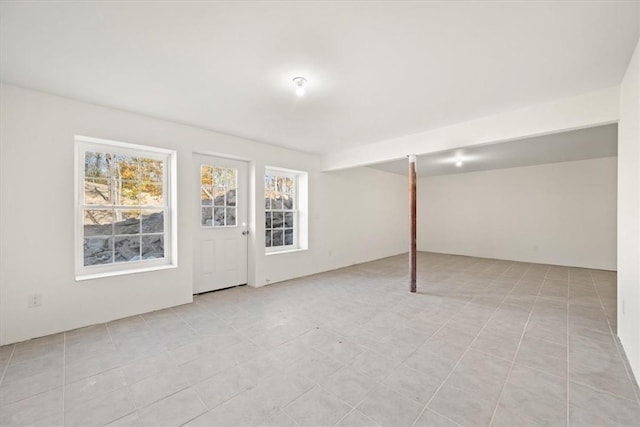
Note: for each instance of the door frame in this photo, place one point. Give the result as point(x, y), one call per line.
point(251, 206)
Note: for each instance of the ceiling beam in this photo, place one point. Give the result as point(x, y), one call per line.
point(584, 111)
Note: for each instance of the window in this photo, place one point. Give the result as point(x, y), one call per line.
point(218, 196)
point(285, 227)
point(125, 220)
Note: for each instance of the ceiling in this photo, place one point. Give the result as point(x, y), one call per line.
point(375, 71)
point(583, 144)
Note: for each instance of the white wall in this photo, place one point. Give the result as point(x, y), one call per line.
point(561, 213)
point(629, 213)
point(355, 216)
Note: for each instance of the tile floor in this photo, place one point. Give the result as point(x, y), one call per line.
point(484, 342)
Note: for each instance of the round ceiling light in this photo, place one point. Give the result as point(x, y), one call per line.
point(299, 82)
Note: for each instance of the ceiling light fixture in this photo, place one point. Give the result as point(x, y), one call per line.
point(459, 163)
point(299, 82)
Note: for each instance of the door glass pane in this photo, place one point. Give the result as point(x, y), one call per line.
point(219, 197)
point(207, 217)
point(218, 217)
point(218, 188)
point(231, 216)
point(231, 197)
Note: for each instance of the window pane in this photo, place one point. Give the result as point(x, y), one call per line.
point(268, 183)
point(153, 246)
point(97, 191)
point(152, 221)
point(127, 248)
point(267, 238)
point(151, 170)
point(95, 165)
point(288, 201)
point(276, 203)
point(127, 168)
point(288, 185)
point(98, 251)
point(127, 221)
point(267, 220)
point(219, 197)
point(207, 215)
point(218, 217)
point(288, 237)
point(98, 222)
point(277, 238)
point(267, 202)
point(278, 220)
point(129, 192)
point(151, 194)
point(231, 216)
point(288, 219)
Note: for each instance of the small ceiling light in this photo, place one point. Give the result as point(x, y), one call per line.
point(459, 163)
point(299, 82)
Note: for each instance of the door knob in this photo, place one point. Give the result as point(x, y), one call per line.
point(245, 232)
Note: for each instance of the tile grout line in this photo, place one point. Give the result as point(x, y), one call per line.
point(515, 355)
point(616, 341)
point(378, 383)
point(64, 378)
point(190, 385)
point(568, 382)
point(6, 367)
point(120, 365)
point(468, 348)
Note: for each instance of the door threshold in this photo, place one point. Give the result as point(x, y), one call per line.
point(218, 290)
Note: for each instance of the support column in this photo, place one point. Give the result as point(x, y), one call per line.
point(413, 221)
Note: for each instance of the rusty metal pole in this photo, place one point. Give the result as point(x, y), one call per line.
point(413, 221)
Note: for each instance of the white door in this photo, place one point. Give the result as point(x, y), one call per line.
point(220, 222)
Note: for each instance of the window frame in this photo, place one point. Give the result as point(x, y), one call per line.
point(85, 144)
point(295, 175)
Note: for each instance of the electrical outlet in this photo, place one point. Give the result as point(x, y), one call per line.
point(35, 300)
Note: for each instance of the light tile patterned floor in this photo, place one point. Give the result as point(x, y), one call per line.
point(484, 342)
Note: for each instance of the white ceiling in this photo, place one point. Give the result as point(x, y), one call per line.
point(583, 144)
point(375, 70)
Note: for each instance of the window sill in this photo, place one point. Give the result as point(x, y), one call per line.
point(286, 251)
point(91, 276)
